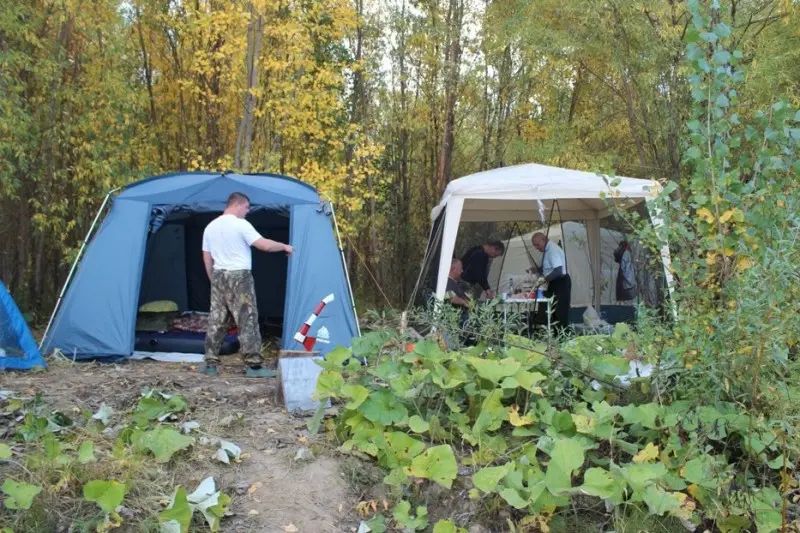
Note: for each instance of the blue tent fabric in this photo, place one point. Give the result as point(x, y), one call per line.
point(18, 350)
point(97, 317)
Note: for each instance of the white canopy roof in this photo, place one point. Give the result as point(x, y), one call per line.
point(522, 192)
point(531, 192)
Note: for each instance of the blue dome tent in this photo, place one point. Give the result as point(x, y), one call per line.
point(18, 350)
point(148, 248)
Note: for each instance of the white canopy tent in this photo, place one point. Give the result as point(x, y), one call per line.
point(531, 192)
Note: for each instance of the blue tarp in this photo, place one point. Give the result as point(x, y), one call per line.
point(97, 317)
point(18, 350)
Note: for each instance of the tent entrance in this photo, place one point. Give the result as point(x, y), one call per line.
point(173, 270)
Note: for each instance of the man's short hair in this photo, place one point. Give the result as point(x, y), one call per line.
point(237, 198)
point(499, 246)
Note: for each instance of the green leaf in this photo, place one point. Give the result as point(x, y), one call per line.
point(329, 384)
point(401, 513)
point(513, 498)
point(528, 380)
point(401, 448)
point(661, 502)
point(377, 524)
point(5, 451)
point(396, 478)
point(178, 510)
point(722, 101)
point(492, 413)
point(721, 57)
point(767, 517)
point(733, 523)
point(487, 479)
point(335, 359)
point(382, 407)
point(163, 442)
point(494, 371)
point(19, 495)
point(417, 424)
point(563, 423)
point(566, 456)
point(106, 494)
point(700, 472)
point(598, 482)
point(693, 152)
point(151, 408)
point(708, 37)
point(357, 394)
point(86, 452)
point(639, 477)
point(445, 526)
point(438, 464)
point(722, 30)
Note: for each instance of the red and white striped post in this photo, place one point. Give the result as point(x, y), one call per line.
point(302, 335)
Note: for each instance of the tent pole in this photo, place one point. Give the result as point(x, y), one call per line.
point(344, 265)
point(425, 260)
point(75, 264)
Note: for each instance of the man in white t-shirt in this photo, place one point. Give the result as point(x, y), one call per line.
point(559, 284)
point(227, 257)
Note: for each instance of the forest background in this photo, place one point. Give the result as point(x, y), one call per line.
point(378, 103)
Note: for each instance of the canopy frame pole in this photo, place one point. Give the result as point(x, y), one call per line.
point(344, 265)
point(75, 265)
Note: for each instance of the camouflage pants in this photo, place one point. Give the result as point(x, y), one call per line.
point(233, 293)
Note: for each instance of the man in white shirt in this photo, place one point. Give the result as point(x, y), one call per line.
point(559, 284)
point(228, 261)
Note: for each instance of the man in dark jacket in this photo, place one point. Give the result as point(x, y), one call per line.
point(476, 266)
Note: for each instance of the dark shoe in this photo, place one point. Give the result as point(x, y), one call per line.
point(260, 372)
point(209, 370)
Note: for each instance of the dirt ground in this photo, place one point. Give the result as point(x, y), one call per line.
point(284, 495)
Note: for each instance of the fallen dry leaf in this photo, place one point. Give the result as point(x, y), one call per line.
point(291, 528)
point(254, 487)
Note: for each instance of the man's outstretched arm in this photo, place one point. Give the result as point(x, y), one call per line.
point(268, 245)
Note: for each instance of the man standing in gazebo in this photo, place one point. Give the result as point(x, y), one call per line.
point(476, 267)
point(559, 284)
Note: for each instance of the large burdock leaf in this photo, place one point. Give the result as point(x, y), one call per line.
point(382, 407)
point(601, 483)
point(401, 514)
point(494, 371)
point(329, 385)
point(401, 448)
point(437, 464)
point(567, 455)
point(357, 394)
point(164, 442)
point(19, 495)
point(108, 495)
point(487, 479)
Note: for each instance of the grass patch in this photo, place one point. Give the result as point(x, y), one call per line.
point(84, 471)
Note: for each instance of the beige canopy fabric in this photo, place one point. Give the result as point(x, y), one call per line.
point(531, 192)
